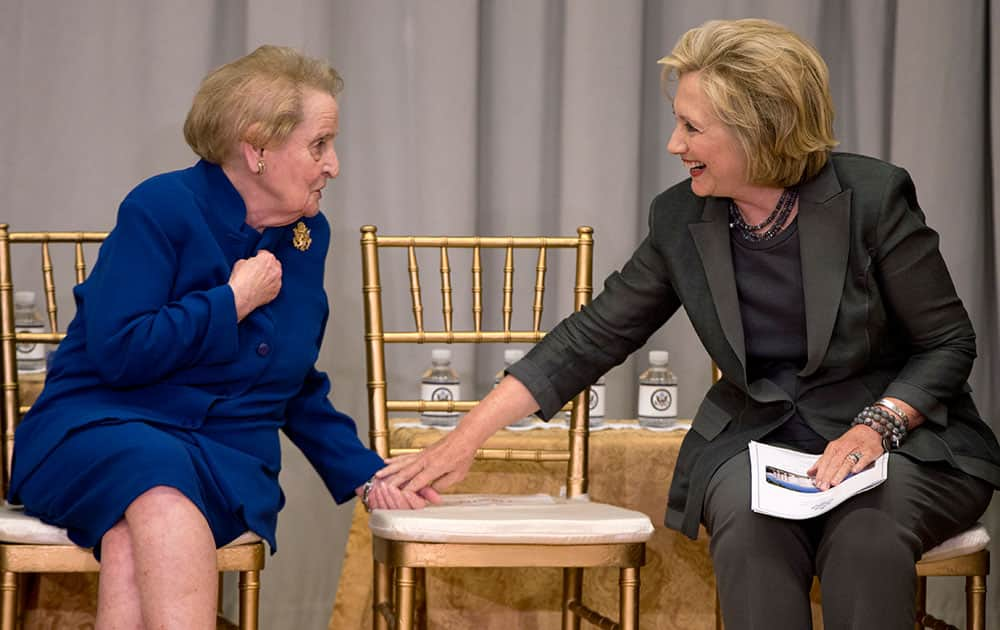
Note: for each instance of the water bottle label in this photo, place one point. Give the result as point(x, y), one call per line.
point(597, 400)
point(31, 351)
point(440, 392)
point(658, 401)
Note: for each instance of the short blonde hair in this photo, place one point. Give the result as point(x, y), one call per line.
point(257, 98)
point(770, 86)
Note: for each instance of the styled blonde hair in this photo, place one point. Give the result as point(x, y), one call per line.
point(257, 98)
point(770, 86)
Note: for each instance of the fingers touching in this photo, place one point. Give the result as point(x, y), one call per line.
point(385, 497)
point(849, 454)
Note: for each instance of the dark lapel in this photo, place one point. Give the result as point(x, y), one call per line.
point(824, 243)
point(824, 231)
point(711, 237)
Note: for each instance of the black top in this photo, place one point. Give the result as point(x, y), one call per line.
point(772, 307)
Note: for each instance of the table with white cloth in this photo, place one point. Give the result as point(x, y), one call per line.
point(629, 466)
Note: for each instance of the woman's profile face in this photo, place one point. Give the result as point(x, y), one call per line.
point(708, 147)
point(296, 171)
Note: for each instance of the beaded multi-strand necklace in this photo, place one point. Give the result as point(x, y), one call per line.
point(776, 220)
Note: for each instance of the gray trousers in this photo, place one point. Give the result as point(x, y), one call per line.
point(863, 551)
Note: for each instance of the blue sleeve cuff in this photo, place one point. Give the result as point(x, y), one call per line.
point(367, 464)
point(222, 326)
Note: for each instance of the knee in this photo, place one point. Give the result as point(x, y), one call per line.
point(742, 533)
point(116, 544)
point(158, 500)
point(870, 538)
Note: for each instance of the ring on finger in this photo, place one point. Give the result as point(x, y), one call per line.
point(854, 456)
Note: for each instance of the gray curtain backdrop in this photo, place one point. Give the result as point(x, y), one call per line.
point(492, 117)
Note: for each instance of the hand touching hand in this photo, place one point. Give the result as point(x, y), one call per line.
point(385, 497)
point(447, 461)
point(436, 468)
point(255, 281)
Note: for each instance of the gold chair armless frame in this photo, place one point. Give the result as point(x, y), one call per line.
point(400, 562)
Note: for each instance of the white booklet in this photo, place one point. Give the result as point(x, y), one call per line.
point(779, 485)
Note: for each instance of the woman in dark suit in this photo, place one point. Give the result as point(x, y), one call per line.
point(816, 286)
point(156, 437)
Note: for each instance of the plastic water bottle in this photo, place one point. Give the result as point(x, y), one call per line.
point(510, 357)
point(440, 383)
point(30, 356)
point(658, 393)
point(597, 393)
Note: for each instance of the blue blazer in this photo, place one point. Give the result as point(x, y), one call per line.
point(155, 337)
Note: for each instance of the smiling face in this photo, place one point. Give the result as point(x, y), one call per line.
point(708, 147)
point(296, 171)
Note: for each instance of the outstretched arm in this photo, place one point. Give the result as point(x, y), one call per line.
point(447, 461)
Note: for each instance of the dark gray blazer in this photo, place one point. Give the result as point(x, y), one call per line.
point(882, 319)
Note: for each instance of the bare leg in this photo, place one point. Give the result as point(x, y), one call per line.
point(118, 595)
point(175, 562)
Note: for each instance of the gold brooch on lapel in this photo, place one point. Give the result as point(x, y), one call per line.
point(300, 237)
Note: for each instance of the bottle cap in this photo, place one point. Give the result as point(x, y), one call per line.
point(440, 354)
point(658, 357)
point(24, 298)
point(512, 354)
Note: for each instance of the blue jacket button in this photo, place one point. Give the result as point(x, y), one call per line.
point(263, 349)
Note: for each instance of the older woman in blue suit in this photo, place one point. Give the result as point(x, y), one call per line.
point(156, 437)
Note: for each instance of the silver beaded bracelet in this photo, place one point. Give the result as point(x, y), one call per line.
point(891, 429)
point(896, 409)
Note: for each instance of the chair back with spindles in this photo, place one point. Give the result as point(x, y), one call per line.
point(380, 405)
point(12, 409)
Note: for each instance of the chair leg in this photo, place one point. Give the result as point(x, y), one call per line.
point(8, 600)
point(381, 595)
point(628, 598)
point(249, 600)
point(572, 592)
point(404, 598)
point(975, 602)
point(921, 603)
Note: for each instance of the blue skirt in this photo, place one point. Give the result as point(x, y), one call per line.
point(89, 479)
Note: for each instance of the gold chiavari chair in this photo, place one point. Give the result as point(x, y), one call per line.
point(965, 555)
point(27, 545)
point(571, 532)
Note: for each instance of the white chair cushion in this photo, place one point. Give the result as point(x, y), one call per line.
point(513, 519)
point(245, 538)
point(18, 527)
point(970, 541)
